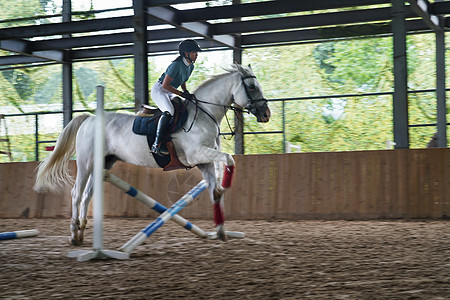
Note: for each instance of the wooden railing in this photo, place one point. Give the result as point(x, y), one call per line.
point(387, 184)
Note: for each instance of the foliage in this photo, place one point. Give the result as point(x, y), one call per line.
point(23, 8)
point(344, 67)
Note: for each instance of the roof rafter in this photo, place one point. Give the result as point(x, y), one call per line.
point(268, 8)
point(149, 3)
point(272, 24)
point(172, 16)
point(248, 41)
point(68, 27)
point(422, 9)
point(24, 48)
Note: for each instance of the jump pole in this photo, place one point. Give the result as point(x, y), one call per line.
point(158, 207)
point(99, 161)
point(139, 238)
point(152, 203)
point(18, 234)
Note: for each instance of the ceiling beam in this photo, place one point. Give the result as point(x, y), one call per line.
point(108, 39)
point(19, 46)
point(248, 41)
point(185, 16)
point(422, 9)
point(172, 16)
point(227, 12)
point(68, 27)
point(269, 8)
point(114, 51)
point(149, 3)
point(193, 15)
point(19, 60)
point(272, 24)
point(307, 21)
point(155, 48)
point(51, 55)
point(326, 34)
point(440, 8)
point(24, 48)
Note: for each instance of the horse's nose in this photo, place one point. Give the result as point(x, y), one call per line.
point(265, 116)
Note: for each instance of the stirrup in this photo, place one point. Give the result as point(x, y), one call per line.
point(159, 149)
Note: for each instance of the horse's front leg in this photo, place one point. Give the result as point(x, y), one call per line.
point(219, 216)
point(216, 193)
point(205, 158)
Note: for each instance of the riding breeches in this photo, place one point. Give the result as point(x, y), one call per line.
point(162, 97)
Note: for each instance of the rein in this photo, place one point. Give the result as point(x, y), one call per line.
point(249, 109)
point(195, 102)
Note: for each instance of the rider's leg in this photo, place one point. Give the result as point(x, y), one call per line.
point(159, 146)
point(162, 98)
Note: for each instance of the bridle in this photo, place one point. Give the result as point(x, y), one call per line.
point(250, 108)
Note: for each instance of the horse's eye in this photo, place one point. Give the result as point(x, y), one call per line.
point(252, 87)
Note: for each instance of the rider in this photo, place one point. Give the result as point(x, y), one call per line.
point(167, 85)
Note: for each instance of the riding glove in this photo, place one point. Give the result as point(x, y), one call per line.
point(188, 96)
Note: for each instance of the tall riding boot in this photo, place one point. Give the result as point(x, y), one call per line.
point(159, 146)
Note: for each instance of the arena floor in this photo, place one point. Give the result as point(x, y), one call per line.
point(276, 260)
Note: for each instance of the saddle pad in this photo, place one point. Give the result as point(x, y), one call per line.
point(147, 126)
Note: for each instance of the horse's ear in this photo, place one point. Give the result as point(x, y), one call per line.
point(250, 67)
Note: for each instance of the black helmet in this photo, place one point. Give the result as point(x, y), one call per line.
point(188, 46)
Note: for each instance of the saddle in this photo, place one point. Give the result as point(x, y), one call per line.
point(146, 124)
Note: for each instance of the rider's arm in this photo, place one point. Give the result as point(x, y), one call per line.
point(167, 86)
point(183, 87)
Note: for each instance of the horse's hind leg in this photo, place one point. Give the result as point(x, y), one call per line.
point(84, 206)
point(77, 191)
point(74, 222)
point(87, 196)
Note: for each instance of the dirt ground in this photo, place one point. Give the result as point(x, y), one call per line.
point(276, 260)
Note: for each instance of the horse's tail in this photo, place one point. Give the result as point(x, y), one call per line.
point(53, 172)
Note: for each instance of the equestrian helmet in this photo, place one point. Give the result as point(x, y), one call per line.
point(188, 46)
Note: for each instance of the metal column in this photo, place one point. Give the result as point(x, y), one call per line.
point(239, 116)
point(67, 74)
point(400, 96)
point(140, 54)
point(440, 89)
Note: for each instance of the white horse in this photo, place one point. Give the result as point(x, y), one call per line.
point(199, 146)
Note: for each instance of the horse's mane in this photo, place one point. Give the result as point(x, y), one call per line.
point(233, 69)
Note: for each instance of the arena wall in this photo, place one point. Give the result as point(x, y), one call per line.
point(339, 185)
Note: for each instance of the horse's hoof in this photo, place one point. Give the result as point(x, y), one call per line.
point(74, 242)
point(221, 234)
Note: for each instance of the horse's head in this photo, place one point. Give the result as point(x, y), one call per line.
point(248, 94)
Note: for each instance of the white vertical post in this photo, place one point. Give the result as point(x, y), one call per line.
point(99, 162)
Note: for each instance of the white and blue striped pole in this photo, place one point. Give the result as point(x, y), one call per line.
point(18, 234)
point(152, 203)
point(139, 238)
